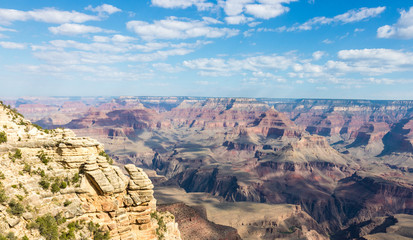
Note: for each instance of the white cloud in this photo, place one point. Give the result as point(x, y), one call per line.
point(48, 15)
point(3, 29)
point(402, 29)
point(318, 55)
point(101, 39)
point(224, 67)
point(352, 66)
point(371, 62)
point(12, 45)
point(175, 28)
point(378, 56)
point(200, 4)
point(210, 20)
point(264, 9)
point(239, 19)
point(75, 29)
point(327, 41)
point(122, 38)
point(108, 50)
point(88, 73)
point(166, 67)
point(103, 9)
point(359, 14)
point(348, 17)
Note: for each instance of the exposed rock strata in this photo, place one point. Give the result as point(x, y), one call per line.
point(121, 205)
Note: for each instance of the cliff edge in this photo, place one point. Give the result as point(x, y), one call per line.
point(55, 185)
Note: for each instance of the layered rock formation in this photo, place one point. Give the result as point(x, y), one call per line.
point(342, 161)
point(53, 173)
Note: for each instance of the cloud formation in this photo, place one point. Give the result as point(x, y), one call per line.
point(402, 29)
point(199, 4)
point(355, 15)
point(178, 28)
point(12, 45)
point(263, 9)
point(103, 9)
point(75, 29)
point(47, 15)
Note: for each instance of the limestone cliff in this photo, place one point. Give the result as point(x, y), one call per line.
point(55, 185)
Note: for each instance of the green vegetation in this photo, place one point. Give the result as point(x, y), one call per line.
point(98, 233)
point(67, 203)
point(2, 177)
point(108, 158)
point(57, 184)
point(55, 187)
point(3, 196)
point(63, 184)
point(20, 197)
point(47, 226)
point(9, 236)
point(161, 225)
point(16, 155)
point(44, 184)
point(72, 228)
point(22, 122)
point(40, 128)
point(75, 178)
point(43, 157)
point(3, 137)
point(27, 168)
point(15, 208)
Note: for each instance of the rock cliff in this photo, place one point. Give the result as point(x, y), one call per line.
point(54, 184)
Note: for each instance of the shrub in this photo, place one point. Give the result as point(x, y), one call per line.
point(20, 197)
point(98, 233)
point(47, 226)
point(67, 203)
point(75, 178)
point(27, 168)
point(37, 126)
point(16, 208)
point(3, 196)
point(41, 173)
point(108, 158)
point(2, 177)
point(55, 187)
point(43, 157)
point(72, 228)
point(63, 185)
point(161, 225)
point(22, 122)
point(3, 137)
point(11, 236)
point(16, 155)
point(44, 184)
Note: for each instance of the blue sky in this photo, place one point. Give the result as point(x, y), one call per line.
point(245, 48)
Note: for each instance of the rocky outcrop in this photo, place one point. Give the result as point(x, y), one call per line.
point(84, 186)
point(194, 224)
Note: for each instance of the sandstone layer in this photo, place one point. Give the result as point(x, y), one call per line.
point(85, 188)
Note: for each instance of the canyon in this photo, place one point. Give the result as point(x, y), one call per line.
point(320, 167)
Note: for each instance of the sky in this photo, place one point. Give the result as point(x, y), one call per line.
point(359, 49)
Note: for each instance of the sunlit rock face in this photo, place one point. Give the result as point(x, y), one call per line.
point(90, 188)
